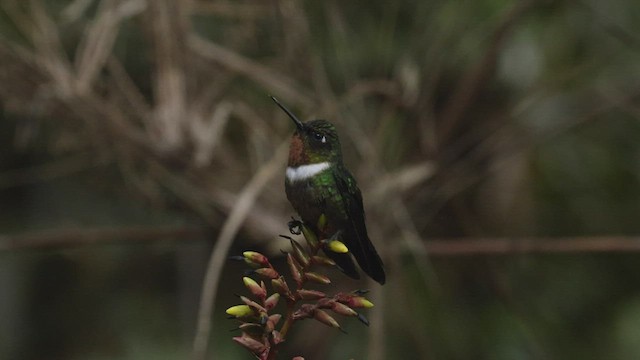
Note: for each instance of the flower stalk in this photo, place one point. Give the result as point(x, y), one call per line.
point(259, 327)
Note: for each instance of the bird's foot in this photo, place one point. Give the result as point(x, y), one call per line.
point(295, 226)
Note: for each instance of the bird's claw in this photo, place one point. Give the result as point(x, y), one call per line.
point(295, 226)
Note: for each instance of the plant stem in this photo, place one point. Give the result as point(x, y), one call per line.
point(291, 307)
point(283, 330)
point(288, 321)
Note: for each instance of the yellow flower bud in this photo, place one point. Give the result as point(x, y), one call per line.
point(322, 222)
point(338, 247)
point(359, 301)
point(310, 236)
point(240, 311)
point(255, 258)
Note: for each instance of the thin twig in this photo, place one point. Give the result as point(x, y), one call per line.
point(229, 230)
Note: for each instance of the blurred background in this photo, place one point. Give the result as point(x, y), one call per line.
point(496, 144)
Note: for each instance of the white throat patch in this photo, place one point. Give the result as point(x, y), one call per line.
point(304, 172)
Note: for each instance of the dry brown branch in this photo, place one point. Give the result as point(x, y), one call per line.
point(232, 225)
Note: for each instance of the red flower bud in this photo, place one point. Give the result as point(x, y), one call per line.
point(252, 329)
point(277, 337)
point(281, 287)
point(323, 260)
point(275, 318)
point(300, 253)
point(315, 277)
point(250, 344)
point(256, 258)
point(342, 309)
point(295, 269)
point(305, 294)
point(325, 318)
point(360, 302)
point(272, 301)
point(257, 307)
point(255, 289)
point(353, 300)
point(268, 273)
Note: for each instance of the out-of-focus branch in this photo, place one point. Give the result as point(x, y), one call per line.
point(232, 9)
point(232, 225)
point(48, 171)
point(49, 52)
point(528, 245)
point(96, 45)
point(439, 247)
point(170, 83)
point(279, 84)
point(130, 92)
point(501, 141)
point(69, 237)
point(473, 82)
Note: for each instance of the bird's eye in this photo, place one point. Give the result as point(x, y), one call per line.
point(318, 136)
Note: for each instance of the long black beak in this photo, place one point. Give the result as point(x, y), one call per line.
point(298, 123)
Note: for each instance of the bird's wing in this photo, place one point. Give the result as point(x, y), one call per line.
point(355, 230)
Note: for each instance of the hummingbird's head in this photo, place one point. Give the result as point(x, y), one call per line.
point(313, 142)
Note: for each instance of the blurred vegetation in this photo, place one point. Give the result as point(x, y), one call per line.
point(474, 119)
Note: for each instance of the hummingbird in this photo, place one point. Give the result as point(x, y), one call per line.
point(318, 183)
